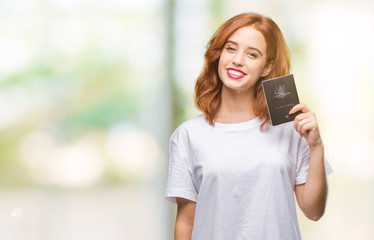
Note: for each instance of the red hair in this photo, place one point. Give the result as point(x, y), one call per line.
point(208, 84)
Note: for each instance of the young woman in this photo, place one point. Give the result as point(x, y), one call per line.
point(233, 174)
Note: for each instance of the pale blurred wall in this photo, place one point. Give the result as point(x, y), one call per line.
point(90, 91)
point(84, 119)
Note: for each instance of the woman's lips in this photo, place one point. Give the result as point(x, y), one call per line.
point(235, 73)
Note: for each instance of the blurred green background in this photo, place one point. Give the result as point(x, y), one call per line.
point(90, 92)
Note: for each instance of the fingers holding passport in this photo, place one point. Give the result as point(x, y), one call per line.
point(306, 124)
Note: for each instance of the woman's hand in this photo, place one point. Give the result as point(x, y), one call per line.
point(306, 125)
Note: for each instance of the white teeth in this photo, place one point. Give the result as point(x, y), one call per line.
point(235, 72)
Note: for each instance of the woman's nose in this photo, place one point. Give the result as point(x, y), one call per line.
point(238, 59)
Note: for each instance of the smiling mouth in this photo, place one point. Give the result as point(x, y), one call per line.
point(235, 74)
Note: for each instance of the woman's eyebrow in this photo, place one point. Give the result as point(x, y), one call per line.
point(236, 44)
point(232, 42)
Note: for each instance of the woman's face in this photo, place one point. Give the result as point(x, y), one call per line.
point(243, 60)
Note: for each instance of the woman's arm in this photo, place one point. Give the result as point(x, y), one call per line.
point(185, 219)
point(312, 195)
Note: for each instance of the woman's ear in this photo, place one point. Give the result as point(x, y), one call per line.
point(268, 68)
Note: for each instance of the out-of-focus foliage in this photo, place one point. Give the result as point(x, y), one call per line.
point(70, 70)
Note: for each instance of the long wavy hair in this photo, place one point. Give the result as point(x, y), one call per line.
point(208, 85)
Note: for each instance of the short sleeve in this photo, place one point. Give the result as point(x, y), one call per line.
point(302, 163)
point(180, 181)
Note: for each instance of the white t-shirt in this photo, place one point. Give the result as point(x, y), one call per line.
point(241, 178)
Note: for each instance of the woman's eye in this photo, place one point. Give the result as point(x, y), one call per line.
point(252, 54)
point(230, 48)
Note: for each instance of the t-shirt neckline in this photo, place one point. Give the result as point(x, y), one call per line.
point(238, 126)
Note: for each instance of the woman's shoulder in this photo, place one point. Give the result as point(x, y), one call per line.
point(191, 125)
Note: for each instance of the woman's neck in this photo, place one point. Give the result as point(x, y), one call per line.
point(235, 106)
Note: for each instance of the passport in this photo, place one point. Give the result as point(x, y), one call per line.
point(281, 96)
